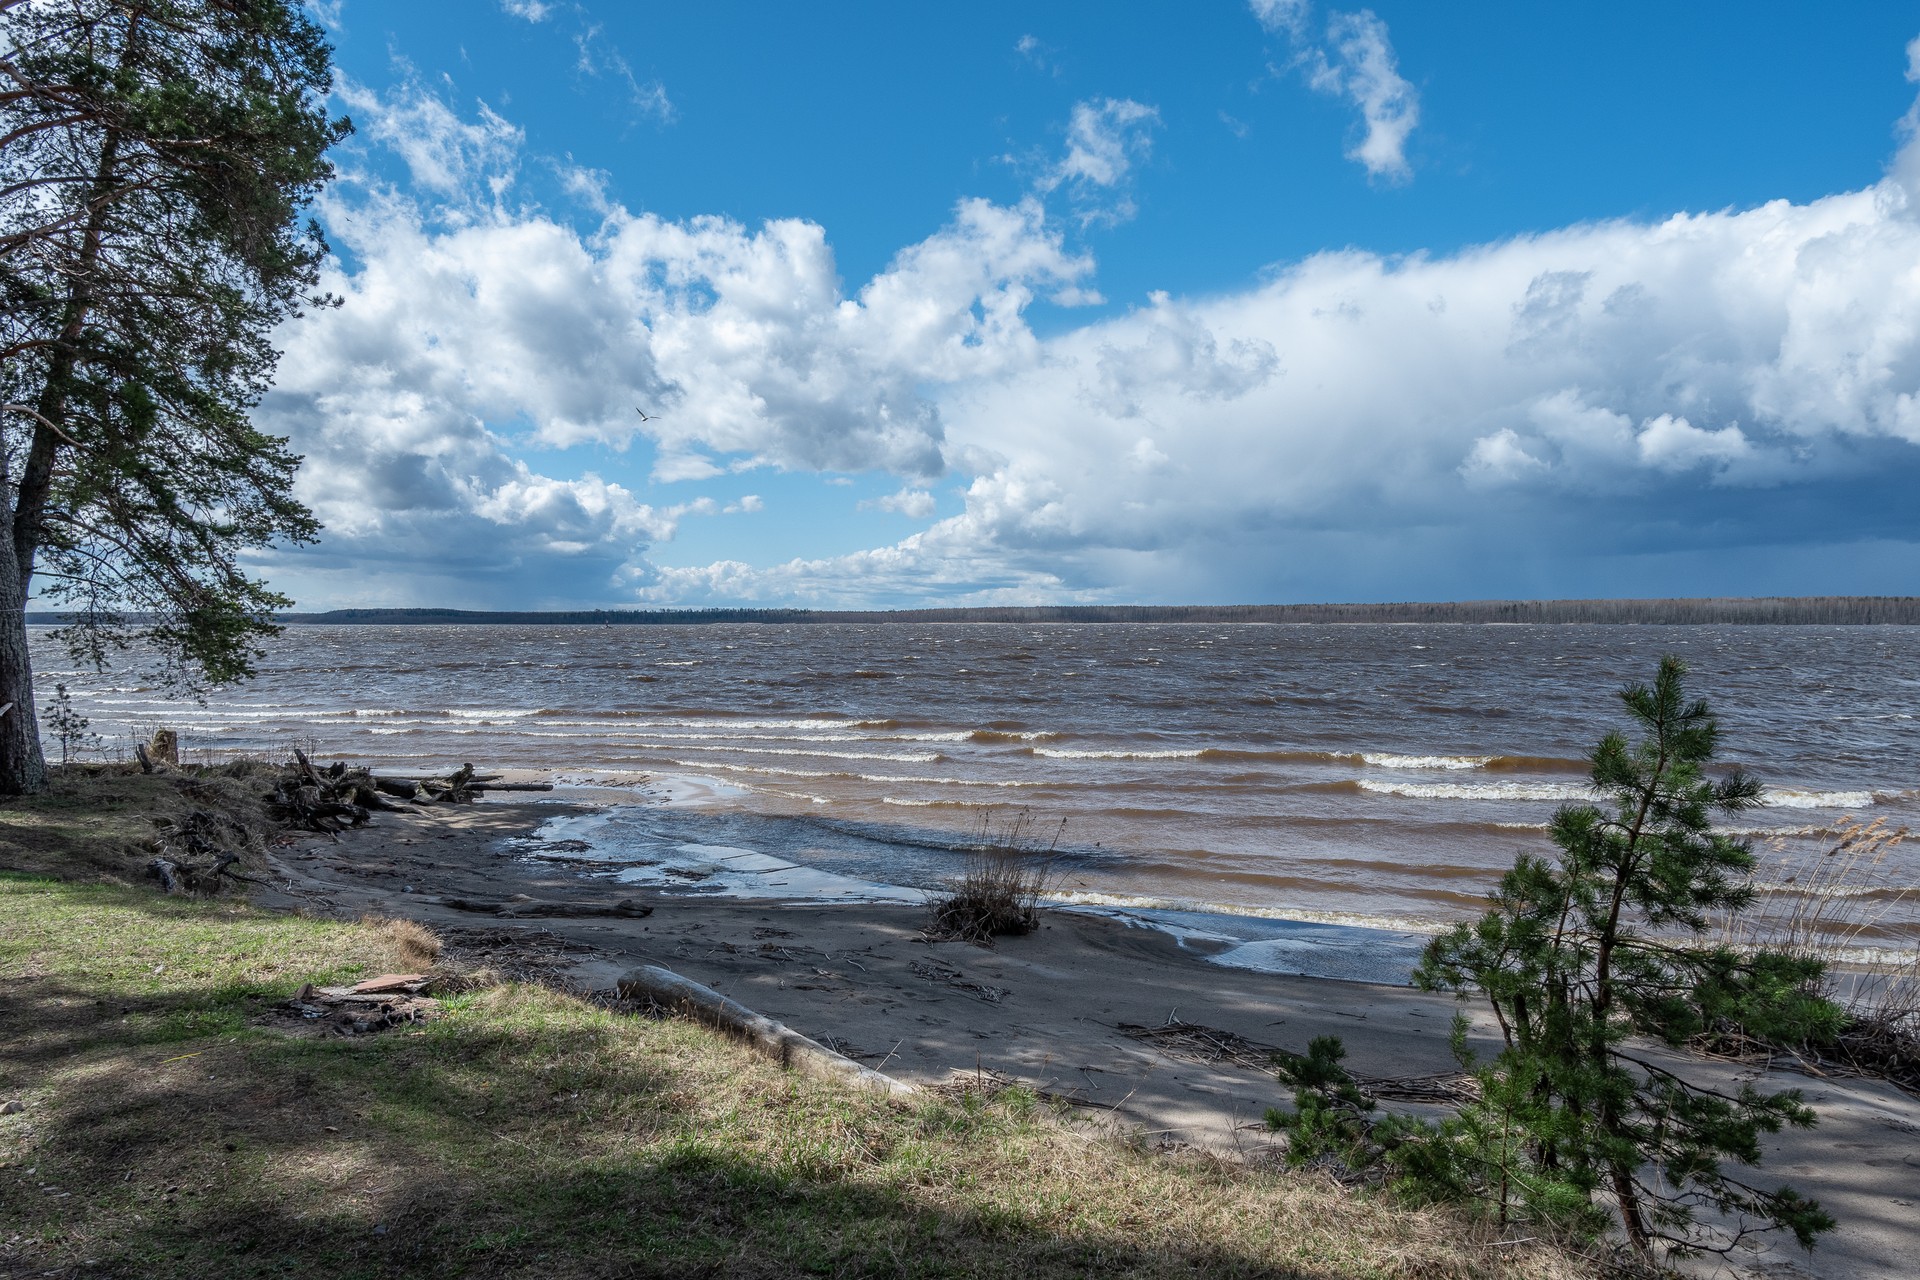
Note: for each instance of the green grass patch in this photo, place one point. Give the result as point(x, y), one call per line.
point(167, 1132)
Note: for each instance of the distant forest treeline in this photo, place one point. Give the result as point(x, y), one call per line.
point(1782, 610)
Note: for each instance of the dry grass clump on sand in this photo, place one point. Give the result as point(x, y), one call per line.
point(1834, 908)
point(528, 1133)
point(998, 891)
point(417, 946)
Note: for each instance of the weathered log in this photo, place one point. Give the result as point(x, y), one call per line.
point(165, 747)
point(306, 798)
point(455, 788)
point(410, 788)
point(305, 766)
point(776, 1040)
point(140, 754)
point(522, 908)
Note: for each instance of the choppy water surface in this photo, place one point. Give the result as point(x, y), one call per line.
point(1347, 774)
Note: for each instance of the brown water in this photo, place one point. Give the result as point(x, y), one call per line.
point(1378, 775)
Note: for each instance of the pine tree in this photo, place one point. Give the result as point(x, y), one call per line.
point(155, 157)
point(1579, 957)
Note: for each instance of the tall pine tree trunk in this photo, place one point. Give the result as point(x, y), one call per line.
point(22, 767)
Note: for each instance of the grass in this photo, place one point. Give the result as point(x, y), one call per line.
point(169, 1130)
point(100, 821)
point(998, 891)
point(1836, 907)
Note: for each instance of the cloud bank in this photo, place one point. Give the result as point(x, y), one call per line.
point(1713, 402)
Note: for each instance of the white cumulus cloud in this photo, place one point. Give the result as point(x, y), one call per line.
point(448, 156)
point(1106, 139)
point(1588, 401)
point(1353, 58)
point(914, 503)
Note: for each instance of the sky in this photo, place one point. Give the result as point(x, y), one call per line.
point(877, 305)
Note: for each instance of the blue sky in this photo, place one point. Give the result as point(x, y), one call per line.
point(1256, 300)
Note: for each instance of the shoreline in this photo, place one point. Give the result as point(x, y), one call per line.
point(1304, 943)
point(1051, 1010)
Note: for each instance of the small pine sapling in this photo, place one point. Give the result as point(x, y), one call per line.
point(65, 723)
point(1332, 1117)
point(1580, 957)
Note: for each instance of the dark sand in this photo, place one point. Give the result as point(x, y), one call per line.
point(1045, 1009)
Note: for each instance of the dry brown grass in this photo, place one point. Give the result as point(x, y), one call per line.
point(101, 821)
point(1836, 907)
point(417, 946)
point(1007, 871)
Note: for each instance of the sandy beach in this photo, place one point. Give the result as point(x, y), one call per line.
point(1133, 1027)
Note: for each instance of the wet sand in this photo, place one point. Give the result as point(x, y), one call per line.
point(1048, 1009)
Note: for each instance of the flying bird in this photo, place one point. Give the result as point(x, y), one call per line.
point(645, 416)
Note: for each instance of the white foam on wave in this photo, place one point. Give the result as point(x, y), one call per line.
point(493, 713)
point(772, 771)
point(1056, 753)
point(1355, 919)
point(1793, 889)
point(1480, 790)
point(1351, 957)
point(953, 782)
point(1788, 798)
point(1781, 798)
point(916, 757)
point(1388, 760)
point(707, 722)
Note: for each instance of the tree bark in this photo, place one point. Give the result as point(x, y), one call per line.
point(22, 767)
point(1631, 1215)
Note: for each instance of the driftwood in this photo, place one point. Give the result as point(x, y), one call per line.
point(780, 1042)
point(197, 852)
point(391, 1000)
point(462, 786)
point(336, 797)
point(188, 878)
point(328, 800)
point(164, 747)
point(514, 908)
